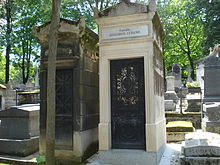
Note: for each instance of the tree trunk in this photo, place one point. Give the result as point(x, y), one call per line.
point(51, 92)
point(8, 7)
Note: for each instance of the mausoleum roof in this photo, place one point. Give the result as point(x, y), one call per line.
point(66, 26)
point(124, 7)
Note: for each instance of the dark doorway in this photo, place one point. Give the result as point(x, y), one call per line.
point(64, 109)
point(127, 104)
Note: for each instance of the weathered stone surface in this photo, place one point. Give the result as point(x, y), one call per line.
point(194, 117)
point(211, 120)
point(194, 105)
point(210, 126)
point(176, 136)
point(201, 144)
point(19, 147)
point(180, 126)
point(201, 148)
point(212, 111)
point(169, 105)
point(20, 122)
point(176, 71)
point(170, 83)
point(199, 160)
point(77, 109)
point(171, 95)
point(212, 79)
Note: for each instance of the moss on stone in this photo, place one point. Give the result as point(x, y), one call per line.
point(180, 126)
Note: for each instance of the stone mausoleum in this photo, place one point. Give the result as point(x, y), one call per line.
point(77, 84)
point(132, 115)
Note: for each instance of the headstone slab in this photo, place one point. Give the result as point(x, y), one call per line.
point(201, 144)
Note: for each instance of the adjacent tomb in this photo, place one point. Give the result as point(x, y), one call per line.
point(211, 120)
point(132, 119)
point(19, 130)
point(176, 130)
point(208, 70)
point(201, 148)
point(77, 84)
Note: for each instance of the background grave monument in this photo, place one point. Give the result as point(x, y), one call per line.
point(19, 130)
point(171, 98)
point(132, 119)
point(212, 78)
point(208, 75)
point(176, 71)
point(77, 86)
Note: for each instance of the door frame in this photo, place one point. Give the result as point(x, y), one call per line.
point(139, 60)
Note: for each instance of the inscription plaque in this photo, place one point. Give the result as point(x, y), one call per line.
point(134, 31)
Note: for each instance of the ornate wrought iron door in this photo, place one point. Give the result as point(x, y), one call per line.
point(64, 109)
point(127, 104)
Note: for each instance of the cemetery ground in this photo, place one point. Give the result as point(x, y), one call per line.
point(170, 157)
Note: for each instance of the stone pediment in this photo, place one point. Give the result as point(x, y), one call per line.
point(66, 26)
point(123, 8)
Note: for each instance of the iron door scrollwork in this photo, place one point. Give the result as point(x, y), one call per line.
point(64, 109)
point(127, 104)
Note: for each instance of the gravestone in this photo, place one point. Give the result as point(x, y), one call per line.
point(211, 120)
point(189, 70)
point(171, 98)
point(201, 148)
point(29, 86)
point(200, 73)
point(10, 95)
point(132, 119)
point(194, 102)
point(77, 84)
point(19, 130)
point(212, 79)
point(176, 71)
point(36, 79)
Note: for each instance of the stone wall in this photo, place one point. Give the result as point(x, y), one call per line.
point(194, 117)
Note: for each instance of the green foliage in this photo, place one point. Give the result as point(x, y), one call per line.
point(193, 84)
point(84, 8)
point(210, 11)
point(24, 46)
point(184, 32)
point(40, 159)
